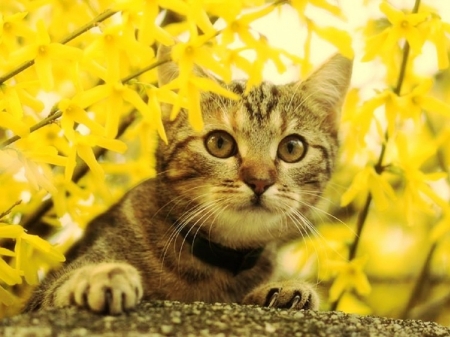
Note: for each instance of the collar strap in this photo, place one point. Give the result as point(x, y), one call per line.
point(233, 260)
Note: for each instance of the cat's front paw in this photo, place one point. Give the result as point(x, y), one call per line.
point(109, 288)
point(286, 295)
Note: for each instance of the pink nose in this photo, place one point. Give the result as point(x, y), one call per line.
point(259, 186)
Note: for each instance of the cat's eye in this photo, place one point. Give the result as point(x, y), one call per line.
point(291, 149)
point(220, 144)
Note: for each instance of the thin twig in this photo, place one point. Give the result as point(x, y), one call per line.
point(5, 213)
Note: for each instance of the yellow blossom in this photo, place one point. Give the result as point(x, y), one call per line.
point(351, 276)
point(24, 242)
point(82, 146)
point(116, 93)
point(402, 26)
point(149, 31)
point(368, 180)
point(44, 53)
point(420, 99)
point(116, 45)
point(410, 159)
point(300, 6)
point(74, 113)
point(11, 27)
point(341, 39)
point(188, 55)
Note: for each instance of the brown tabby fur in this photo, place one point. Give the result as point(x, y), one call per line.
point(252, 199)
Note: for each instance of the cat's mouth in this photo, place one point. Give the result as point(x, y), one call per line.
point(257, 202)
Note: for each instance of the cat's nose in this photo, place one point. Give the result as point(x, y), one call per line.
point(259, 186)
point(258, 174)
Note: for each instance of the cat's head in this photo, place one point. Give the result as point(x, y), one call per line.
point(260, 164)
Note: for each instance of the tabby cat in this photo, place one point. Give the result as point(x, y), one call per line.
point(207, 227)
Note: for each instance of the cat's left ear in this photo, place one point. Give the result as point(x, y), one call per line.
point(326, 88)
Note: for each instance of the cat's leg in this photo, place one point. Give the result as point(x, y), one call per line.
point(291, 294)
point(108, 287)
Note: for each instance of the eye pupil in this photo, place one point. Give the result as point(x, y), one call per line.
point(220, 142)
point(290, 147)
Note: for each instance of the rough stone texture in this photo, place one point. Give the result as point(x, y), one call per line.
point(156, 319)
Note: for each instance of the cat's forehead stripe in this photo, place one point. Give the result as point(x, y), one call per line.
point(261, 101)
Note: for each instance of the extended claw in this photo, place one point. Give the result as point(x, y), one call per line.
point(273, 299)
point(295, 301)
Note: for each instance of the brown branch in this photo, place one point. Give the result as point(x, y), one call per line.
point(5, 213)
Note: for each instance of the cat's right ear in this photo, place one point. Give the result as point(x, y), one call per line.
point(167, 71)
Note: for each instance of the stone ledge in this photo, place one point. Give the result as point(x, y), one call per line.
point(156, 319)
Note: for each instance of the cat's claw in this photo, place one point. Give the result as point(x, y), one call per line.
point(109, 288)
point(273, 299)
point(295, 301)
point(292, 295)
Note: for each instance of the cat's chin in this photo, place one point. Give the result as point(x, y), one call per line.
point(251, 226)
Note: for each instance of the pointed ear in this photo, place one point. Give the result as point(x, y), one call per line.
point(323, 92)
point(168, 70)
point(328, 85)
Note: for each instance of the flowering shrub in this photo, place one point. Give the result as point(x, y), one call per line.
point(79, 116)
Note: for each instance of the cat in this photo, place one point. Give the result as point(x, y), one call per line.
point(207, 227)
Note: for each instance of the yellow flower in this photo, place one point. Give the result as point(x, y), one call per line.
point(403, 26)
point(368, 180)
point(339, 38)
point(187, 55)
point(410, 159)
point(240, 26)
point(11, 27)
point(117, 46)
point(149, 31)
point(300, 6)
point(44, 53)
point(365, 114)
point(82, 146)
point(113, 95)
point(25, 247)
point(74, 113)
point(351, 276)
point(419, 99)
point(11, 112)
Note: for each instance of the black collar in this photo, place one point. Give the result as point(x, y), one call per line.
point(233, 260)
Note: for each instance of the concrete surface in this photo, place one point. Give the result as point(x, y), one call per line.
point(156, 319)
